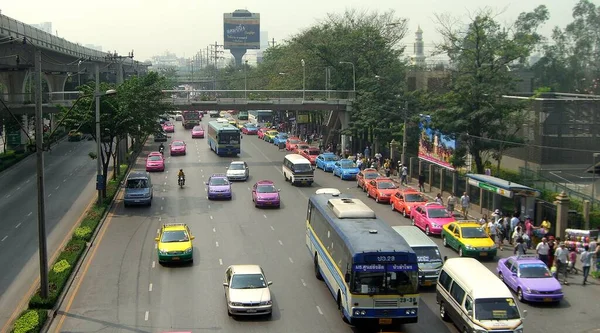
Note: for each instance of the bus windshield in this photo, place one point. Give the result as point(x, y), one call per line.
point(385, 282)
point(191, 115)
point(231, 138)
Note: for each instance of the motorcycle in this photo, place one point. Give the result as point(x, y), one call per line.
point(181, 181)
point(161, 150)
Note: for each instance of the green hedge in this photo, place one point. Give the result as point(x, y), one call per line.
point(10, 158)
point(30, 321)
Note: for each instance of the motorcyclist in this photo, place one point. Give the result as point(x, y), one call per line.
point(181, 175)
point(161, 148)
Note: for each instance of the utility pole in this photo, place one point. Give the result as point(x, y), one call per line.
point(39, 151)
point(272, 42)
point(99, 177)
point(402, 157)
point(216, 49)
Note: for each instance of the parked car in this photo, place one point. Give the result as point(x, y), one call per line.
point(469, 238)
point(326, 161)
point(345, 169)
point(404, 201)
point(365, 176)
point(431, 217)
point(381, 189)
point(249, 129)
point(311, 154)
point(280, 138)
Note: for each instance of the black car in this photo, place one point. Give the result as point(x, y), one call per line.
point(160, 137)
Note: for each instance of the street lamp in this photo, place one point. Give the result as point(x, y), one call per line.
point(303, 79)
point(594, 155)
point(353, 74)
point(79, 73)
point(97, 94)
point(402, 157)
point(245, 80)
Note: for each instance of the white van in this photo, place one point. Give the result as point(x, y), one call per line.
point(475, 299)
point(298, 170)
point(428, 254)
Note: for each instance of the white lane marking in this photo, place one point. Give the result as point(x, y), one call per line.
point(164, 190)
point(29, 213)
point(155, 245)
point(18, 188)
point(159, 218)
point(214, 229)
point(248, 189)
point(161, 207)
point(290, 258)
point(49, 195)
point(150, 287)
point(211, 217)
point(71, 174)
point(7, 196)
point(153, 264)
point(166, 177)
point(146, 315)
point(272, 228)
point(167, 171)
point(221, 262)
point(64, 180)
point(28, 180)
point(265, 215)
point(303, 283)
point(165, 183)
point(18, 225)
point(201, 170)
point(280, 242)
point(158, 231)
point(163, 198)
point(217, 244)
point(319, 309)
point(208, 206)
point(3, 239)
point(56, 188)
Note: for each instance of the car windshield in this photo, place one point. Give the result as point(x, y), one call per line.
point(534, 271)
point(273, 133)
point(331, 158)
point(178, 143)
point(266, 189)
point(473, 232)
point(386, 185)
point(218, 181)
point(229, 138)
point(302, 147)
point(439, 213)
point(496, 309)
point(137, 183)
point(168, 124)
point(414, 198)
point(236, 166)
point(251, 127)
point(174, 236)
point(154, 158)
point(197, 128)
point(385, 283)
point(427, 254)
point(293, 142)
point(283, 136)
point(191, 115)
point(371, 175)
point(347, 164)
point(314, 152)
point(247, 281)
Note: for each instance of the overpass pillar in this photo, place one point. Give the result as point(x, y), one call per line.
point(14, 82)
point(344, 124)
point(56, 83)
point(119, 73)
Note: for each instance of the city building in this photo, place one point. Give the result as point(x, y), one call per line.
point(418, 59)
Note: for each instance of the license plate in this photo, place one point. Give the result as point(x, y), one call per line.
point(483, 254)
point(547, 299)
point(251, 311)
point(175, 258)
point(268, 203)
point(385, 321)
point(427, 283)
point(220, 195)
point(137, 201)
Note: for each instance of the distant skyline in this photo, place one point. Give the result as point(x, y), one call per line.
point(151, 27)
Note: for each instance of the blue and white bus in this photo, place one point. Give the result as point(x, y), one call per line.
point(223, 138)
point(369, 268)
point(260, 118)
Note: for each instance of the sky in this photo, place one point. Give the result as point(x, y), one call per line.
point(151, 27)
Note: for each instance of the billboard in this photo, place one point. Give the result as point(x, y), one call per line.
point(435, 147)
point(241, 30)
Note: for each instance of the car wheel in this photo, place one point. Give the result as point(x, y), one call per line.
point(404, 212)
point(377, 199)
point(427, 232)
point(520, 295)
point(501, 277)
point(317, 270)
point(368, 195)
point(412, 222)
point(443, 313)
point(392, 204)
point(460, 252)
point(444, 241)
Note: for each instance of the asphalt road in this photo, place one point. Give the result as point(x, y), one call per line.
point(68, 175)
point(124, 289)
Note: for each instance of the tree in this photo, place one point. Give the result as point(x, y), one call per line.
point(474, 111)
point(170, 76)
point(572, 62)
point(134, 111)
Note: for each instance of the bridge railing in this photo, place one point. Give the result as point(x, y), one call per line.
point(58, 97)
point(259, 95)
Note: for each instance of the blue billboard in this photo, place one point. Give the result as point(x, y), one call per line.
point(434, 146)
point(241, 32)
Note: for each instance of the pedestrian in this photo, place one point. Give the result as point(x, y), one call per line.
point(484, 223)
point(542, 250)
point(404, 175)
point(386, 166)
point(562, 257)
point(513, 224)
point(421, 182)
point(465, 201)
point(451, 203)
point(572, 260)
point(516, 235)
point(499, 234)
point(439, 199)
point(492, 231)
point(528, 231)
point(597, 255)
point(552, 248)
point(586, 262)
point(520, 248)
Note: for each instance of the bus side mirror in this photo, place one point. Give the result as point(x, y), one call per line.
point(241, 137)
point(470, 313)
point(347, 277)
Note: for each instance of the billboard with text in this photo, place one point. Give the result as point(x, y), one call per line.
point(435, 147)
point(241, 32)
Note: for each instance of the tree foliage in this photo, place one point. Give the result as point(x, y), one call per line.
point(480, 56)
point(134, 110)
point(572, 62)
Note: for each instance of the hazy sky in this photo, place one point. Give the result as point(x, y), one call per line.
point(151, 27)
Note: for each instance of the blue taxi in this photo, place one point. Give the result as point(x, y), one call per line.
point(345, 169)
point(326, 161)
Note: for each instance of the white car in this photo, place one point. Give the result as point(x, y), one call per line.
point(247, 291)
point(238, 170)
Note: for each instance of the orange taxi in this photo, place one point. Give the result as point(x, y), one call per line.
point(311, 154)
point(365, 176)
point(405, 200)
point(300, 147)
point(381, 189)
point(292, 142)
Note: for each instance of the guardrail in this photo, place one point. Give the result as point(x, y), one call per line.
point(260, 95)
point(58, 97)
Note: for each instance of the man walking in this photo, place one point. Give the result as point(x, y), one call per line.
point(586, 262)
point(465, 201)
point(542, 250)
point(562, 257)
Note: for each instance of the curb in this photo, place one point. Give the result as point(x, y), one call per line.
point(54, 311)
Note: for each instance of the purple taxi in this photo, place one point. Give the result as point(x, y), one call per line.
point(530, 278)
point(218, 187)
point(264, 194)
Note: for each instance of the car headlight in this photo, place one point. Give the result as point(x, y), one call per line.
point(266, 302)
point(188, 250)
point(235, 303)
point(163, 251)
point(435, 225)
point(469, 247)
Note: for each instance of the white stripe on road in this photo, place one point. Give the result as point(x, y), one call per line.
point(217, 244)
point(280, 242)
point(29, 213)
point(211, 217)
point(221, 262)
point(18, 225)
point(214, 230)
point(146, 316)
point(150, 287)
point(319, 309)
point(291, 260)
point(3, 239)
point(153, 264)
point(303, 283)
point(272, 228)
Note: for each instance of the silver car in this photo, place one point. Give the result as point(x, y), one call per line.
point(247, 291)
point(238, 170)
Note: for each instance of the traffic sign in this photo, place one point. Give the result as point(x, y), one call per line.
point(491, 188)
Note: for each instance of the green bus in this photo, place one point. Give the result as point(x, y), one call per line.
point(243, 115)
point(223, 138)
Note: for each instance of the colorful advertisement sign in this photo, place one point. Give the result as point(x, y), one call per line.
point(435, 147)
point(241, 32)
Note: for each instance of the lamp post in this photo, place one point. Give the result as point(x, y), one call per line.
point(594, 155)
point(403, 156)
point(303, 79)
point(245, 79)
point(79, 73)
point(353, 74)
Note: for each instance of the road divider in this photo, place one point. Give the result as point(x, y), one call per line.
point(40, 312)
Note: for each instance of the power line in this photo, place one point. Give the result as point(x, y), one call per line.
point(531, 145)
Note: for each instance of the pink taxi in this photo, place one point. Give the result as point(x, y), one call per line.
point(431, 217)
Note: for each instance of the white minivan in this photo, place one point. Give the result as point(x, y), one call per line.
point(475, 299)
point(298, 170)
point(428, 254)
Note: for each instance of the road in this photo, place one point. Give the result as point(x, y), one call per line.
point(69, 188)
point(123, 289)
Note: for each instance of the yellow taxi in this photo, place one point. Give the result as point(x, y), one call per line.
point(469, 238)
point(270, 135)
point(174, 243)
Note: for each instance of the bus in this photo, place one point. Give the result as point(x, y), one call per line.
point(243, 115)
point(370, 270)
point(260, 118)
point(223, 138)
point(190, 119)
